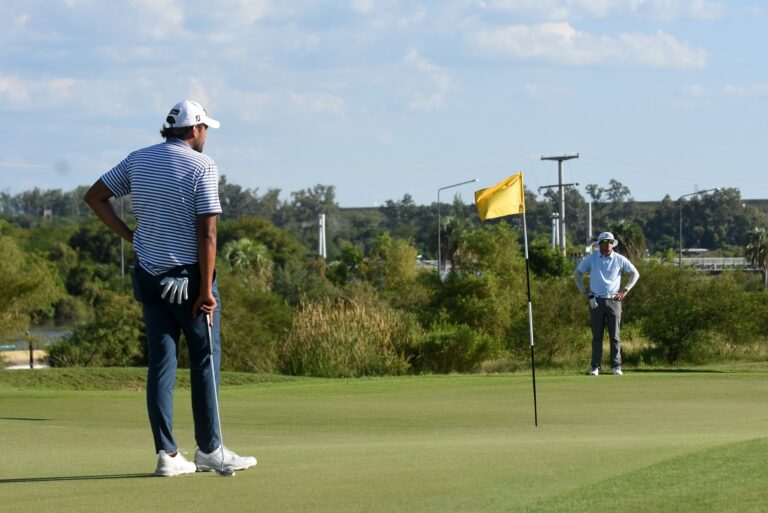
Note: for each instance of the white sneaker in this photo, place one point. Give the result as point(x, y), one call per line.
point(169, 466)
point(594, 372)
point(617, 371)
point(212, 461)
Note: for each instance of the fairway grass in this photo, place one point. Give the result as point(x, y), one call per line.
point(681, 442)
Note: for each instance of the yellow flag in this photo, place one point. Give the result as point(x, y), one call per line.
point(503, 199)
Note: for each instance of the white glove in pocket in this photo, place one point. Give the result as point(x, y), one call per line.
point(176, 289)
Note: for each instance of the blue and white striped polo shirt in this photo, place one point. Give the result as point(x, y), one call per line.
point(170, 185)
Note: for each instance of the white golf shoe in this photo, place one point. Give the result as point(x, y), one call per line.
point(169, 466)
point(213, 461)
point(617, 371)
point(594, 372)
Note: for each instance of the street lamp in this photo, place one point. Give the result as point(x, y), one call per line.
point(680, 234)
point(440, 224)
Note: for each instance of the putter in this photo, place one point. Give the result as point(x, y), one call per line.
point(221, 471)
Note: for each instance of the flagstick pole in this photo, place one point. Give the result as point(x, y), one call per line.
point(530, 324)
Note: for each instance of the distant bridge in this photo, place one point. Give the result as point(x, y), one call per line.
point(718, 264)
point(711, 264)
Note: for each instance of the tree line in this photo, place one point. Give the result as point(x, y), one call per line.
point(369, 308)
point(719, 221)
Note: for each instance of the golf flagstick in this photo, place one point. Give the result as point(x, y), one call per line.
point(530, 323)
point(220, 471)
point(503, 199)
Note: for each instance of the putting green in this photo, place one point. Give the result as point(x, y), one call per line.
point(408, 444)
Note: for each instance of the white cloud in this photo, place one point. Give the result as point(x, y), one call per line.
point(319, 102)
point(441, 82)
point(75, 4)
point(21, 92)
point(694, 91)
point(248, 106)
point(199, 92)
point(21, 21)
point(131, 54)
point(659, 50)
point(414, 18)
point(749, 91)
point(14, 90)
point(544, 92)
point(560, 43)
point(691, 97)
point(235, 16)
point(61, 87)
point(160, 19)
point(669, 10)
point(363, 6)
point(663, 10)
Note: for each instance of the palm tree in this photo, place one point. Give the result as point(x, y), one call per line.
point(251, 258)
point(454, 232)
point(757, 252)
point(631, 239)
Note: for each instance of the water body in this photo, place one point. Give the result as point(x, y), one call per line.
point(16, 352)
point(47, 334)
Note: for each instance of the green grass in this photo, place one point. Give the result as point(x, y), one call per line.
point(118, 379)
point(682, 442)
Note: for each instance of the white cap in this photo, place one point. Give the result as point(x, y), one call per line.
point(607, 236)
point(189, 113)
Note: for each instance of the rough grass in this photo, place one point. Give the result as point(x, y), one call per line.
point(114, 378)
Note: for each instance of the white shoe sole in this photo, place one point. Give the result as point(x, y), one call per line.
point(169, 473)
point(206, 468)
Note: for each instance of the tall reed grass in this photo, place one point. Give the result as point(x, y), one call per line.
point(348, 337)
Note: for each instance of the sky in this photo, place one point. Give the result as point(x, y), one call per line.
point(383, 98)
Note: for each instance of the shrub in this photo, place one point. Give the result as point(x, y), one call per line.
point(391, 270)
point(485, 302)
point(253, 321)
point(71, 310)
point(282, 246)
point(681, 311)
point(546, 261)
point(115, 338)
point(487, 291)
point(451, 348)
point(27, 285)
point(296, 280)
point(347, 337)
point(561, 322)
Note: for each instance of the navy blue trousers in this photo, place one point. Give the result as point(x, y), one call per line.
point(165, 322)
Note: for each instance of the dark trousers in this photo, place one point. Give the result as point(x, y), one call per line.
point(607, 313)
point(164, 324)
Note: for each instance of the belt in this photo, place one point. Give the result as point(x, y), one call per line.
point(603, 297)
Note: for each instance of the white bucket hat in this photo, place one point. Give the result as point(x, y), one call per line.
point(189, 113)
point(607, 236)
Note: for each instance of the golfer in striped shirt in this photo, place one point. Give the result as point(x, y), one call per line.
point(174, 193)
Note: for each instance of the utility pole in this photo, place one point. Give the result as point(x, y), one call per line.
point(555, 231)
point(321, 236)
point(561, 193)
